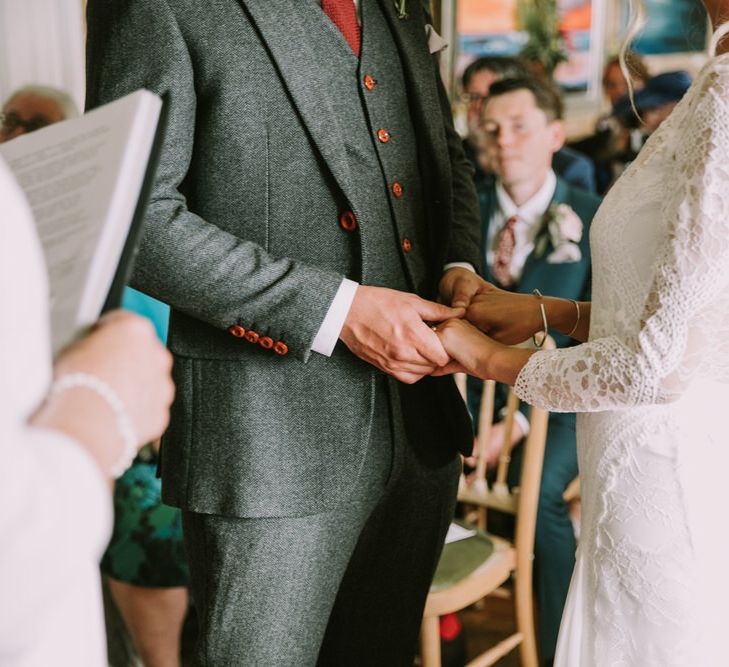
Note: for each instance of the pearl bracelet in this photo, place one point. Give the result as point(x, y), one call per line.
point(123, 421)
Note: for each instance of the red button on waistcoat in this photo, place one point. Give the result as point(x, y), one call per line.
point(397, 190)
point(407, 246)
point(383, 135)
point(237, 331)
point(252, 336)
point(266, 343)
point(369, 82)
point(281, 348)
point(348, 221)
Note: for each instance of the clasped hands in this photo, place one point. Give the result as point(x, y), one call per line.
point(409, 337)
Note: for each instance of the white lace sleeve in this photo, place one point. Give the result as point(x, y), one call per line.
point(684, 328)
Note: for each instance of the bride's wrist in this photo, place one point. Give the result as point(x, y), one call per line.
point(505, 363)
point(562, 315)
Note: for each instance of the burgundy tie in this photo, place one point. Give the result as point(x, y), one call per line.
point(504, 253)
point(343, 14)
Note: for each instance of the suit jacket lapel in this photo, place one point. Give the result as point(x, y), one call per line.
point(291, 49)
point(532, 264)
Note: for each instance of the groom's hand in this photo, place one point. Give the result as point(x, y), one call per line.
point(459, 286)
point(387, 329)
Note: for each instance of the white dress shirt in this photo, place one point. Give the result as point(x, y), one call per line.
point(529, 218)
point(55, 507)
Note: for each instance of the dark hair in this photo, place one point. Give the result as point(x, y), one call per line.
point(545, 94)
point(635, 64)
point(504, 67)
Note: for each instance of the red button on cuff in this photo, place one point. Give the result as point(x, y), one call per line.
point(266, 342)
point(281, 348)
point(237, 331)
point(252, 337)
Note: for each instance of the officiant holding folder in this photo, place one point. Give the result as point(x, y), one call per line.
point(312, 202)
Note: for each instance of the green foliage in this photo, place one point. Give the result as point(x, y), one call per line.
point(545, 46)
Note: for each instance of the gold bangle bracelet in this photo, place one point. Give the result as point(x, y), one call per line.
point(545, 333)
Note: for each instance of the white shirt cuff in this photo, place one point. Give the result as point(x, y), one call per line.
point(520, 419)
point(328, 334)
point(459, 265)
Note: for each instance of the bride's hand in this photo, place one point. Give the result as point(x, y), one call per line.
point(506, 317)
point(468, 348)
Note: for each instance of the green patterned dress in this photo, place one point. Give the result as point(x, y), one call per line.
point(146, 547)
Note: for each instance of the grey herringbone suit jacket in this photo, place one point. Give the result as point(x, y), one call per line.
point(243, 229)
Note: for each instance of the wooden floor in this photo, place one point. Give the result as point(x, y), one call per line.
point(488, 625)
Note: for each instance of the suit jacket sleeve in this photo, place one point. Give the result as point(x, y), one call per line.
point(232, 280)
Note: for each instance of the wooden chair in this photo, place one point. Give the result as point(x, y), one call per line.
point(463, 577)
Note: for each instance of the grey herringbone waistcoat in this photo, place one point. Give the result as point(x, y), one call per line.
point(380, 144)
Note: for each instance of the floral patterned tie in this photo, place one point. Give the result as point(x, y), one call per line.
point(501, 269)
point(343, 14)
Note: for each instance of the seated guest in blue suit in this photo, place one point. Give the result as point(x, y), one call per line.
point(535, 236)
point(574, 167)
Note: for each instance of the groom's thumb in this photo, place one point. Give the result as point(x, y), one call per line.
point(437, 312)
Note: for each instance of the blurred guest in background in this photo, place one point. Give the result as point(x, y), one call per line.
point(654, 102)
point(614, 83)
point(33, 107)
point(477, 79)
point(535, 235)
point(614, 144)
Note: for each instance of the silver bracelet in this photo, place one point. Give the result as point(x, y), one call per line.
point(123, 422)
point(577, 323)
point(537, 343)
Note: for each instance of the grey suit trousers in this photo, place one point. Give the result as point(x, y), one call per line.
point(340, 588)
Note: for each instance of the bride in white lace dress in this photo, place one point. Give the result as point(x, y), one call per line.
point(651, 384)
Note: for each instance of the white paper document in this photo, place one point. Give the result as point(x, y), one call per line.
point(456, 532)
point(83, 178)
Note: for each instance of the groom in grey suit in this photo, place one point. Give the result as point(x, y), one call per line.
point(311, 202)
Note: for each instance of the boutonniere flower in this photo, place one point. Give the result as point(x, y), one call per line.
point(400, 6)
point(562, 228)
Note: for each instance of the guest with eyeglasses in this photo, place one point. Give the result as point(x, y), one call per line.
point(477, 79)
point(32, 108)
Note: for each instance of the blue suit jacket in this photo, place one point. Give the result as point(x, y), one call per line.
point(575, 168)
point(566, 280)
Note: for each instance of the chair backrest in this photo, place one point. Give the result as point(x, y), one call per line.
point(523, 499)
